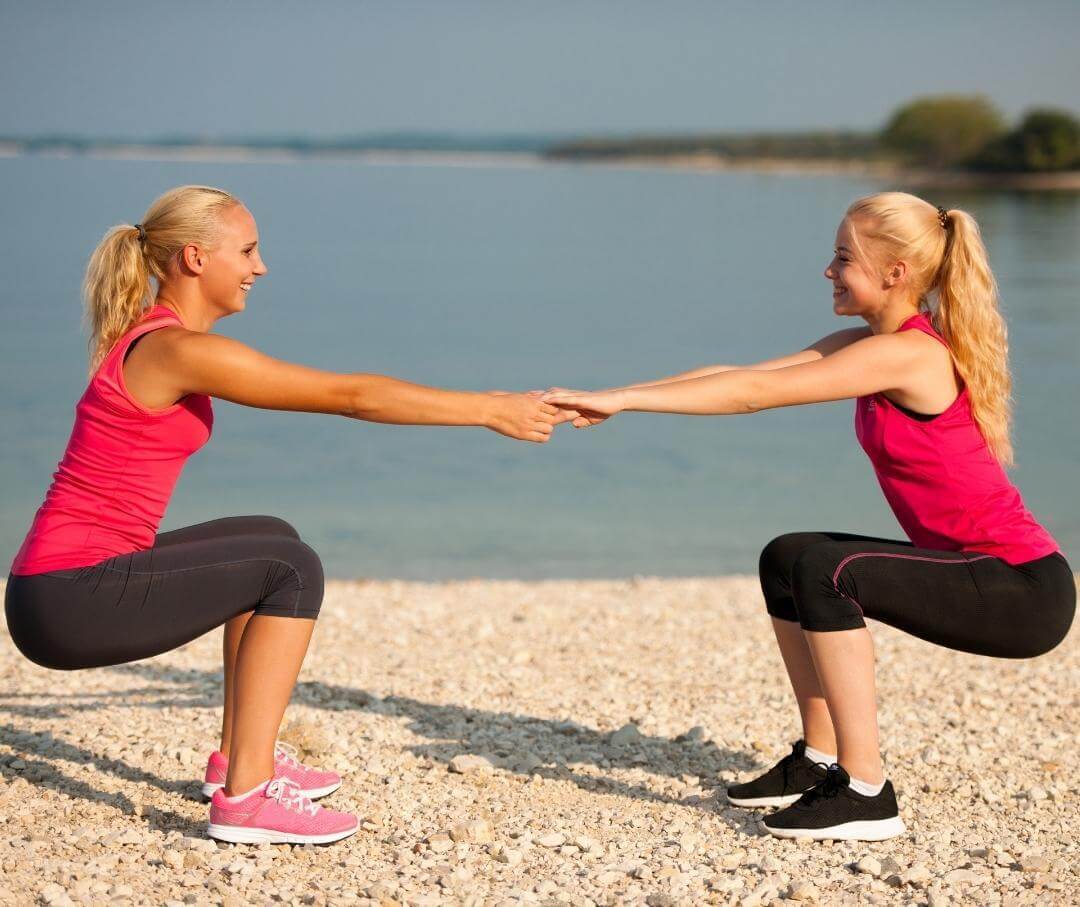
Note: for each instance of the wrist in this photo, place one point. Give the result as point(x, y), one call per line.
point(488, 407)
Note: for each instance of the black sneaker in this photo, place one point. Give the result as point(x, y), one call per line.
point(833, 810)
point(782, 784)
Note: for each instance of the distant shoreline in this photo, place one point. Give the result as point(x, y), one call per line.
point(705, 162)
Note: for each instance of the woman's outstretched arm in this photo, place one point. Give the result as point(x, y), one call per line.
point(826, 346)
point(819, 349)
point(225, 368)
point(875, 363)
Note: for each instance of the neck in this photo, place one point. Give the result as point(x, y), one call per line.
point(189, 305)
point(888, 319)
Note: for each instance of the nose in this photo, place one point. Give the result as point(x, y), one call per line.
point(260, 267)
point(830, 274)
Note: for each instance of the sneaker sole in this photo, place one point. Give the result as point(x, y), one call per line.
point(867, 830)
point(785, 800)
point(237, 834)
point(316, 793)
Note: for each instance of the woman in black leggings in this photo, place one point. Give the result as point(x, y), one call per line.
point(93, 584)
point(930, 375)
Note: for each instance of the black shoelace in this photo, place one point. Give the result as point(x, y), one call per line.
point(835, 780)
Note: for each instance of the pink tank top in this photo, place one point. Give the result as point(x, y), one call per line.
point(944, 485)
point(110, 490)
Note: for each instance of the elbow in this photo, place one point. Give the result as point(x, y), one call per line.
point(752, 398)
point(357, 399)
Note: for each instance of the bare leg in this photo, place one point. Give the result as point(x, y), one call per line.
point(816, 721)
point(230, 644)
point(845, 668)
point(268, 661)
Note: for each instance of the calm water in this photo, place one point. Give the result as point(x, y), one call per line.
point(518, 278)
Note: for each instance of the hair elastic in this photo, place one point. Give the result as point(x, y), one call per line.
point(142, 232)
point(942, 216)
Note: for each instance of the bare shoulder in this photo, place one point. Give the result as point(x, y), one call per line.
point(147, 375)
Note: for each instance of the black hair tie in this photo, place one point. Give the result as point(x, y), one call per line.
point(943, 216)
point(142, 233)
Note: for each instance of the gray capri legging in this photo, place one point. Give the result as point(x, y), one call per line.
point(140, 604)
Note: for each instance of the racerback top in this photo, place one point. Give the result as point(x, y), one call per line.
point(941, 480)
point(111, 488)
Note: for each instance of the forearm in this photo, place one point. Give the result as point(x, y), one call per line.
point(379, 398)
point(682, 376)
point(731, 392)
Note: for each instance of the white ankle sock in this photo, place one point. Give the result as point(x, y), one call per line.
point(818, 756)
point(238, 797)
point(865, 787)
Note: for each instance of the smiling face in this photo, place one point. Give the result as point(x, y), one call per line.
point(858, 288)
point(230, 269)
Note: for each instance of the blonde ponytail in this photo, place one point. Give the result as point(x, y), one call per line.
point(949, 259)
point(117, 286)
point(970, 320)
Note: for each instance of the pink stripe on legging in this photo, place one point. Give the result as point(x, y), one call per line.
point(903, 557)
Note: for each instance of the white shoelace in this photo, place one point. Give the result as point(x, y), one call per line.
point(287, 793)
point(287, 753)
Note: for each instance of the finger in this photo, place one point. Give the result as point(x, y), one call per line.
point(538, 438)
point(534, 393)
point(548, 408)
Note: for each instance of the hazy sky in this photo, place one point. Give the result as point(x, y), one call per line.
point(237, 67)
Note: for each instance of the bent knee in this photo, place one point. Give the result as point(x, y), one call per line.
point(822, 603)
point(295, 581)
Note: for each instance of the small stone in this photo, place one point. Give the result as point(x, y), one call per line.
point(1033, 861)
point(917, 875)
point(931, 756)
point(552, 839)
point(959, 876)
point(868, 865)
point(1037, 793)
point(660, 900)
point(732, 860)
point(696, 734)
point(889, 867)
point(626, 735)
point(507, 856)
point(473, 831)
point(801, 891)
point(440, 842)
point(468, 763)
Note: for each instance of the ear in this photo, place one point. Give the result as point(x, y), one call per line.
point(896, 274)
point(192, 259)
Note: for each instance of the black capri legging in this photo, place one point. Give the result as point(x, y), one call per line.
point(147, 602)
point(960, 599)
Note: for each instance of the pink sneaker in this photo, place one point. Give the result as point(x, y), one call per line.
point(276, 813)
point(313, 783)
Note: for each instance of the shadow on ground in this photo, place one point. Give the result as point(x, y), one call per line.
point(523, 744)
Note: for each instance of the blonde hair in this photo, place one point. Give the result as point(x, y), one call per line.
point(949, 260)
point(117, 287)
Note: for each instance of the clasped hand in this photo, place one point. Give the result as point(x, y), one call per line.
point(532, 416)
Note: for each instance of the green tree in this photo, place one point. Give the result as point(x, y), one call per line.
point(942, 131)
point(1045, 140)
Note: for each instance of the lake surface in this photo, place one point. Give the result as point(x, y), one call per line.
point(514, 277)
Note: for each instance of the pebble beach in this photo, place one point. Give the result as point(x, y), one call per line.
point(561, 742)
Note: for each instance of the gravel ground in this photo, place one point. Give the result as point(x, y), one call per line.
point(558, 742)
